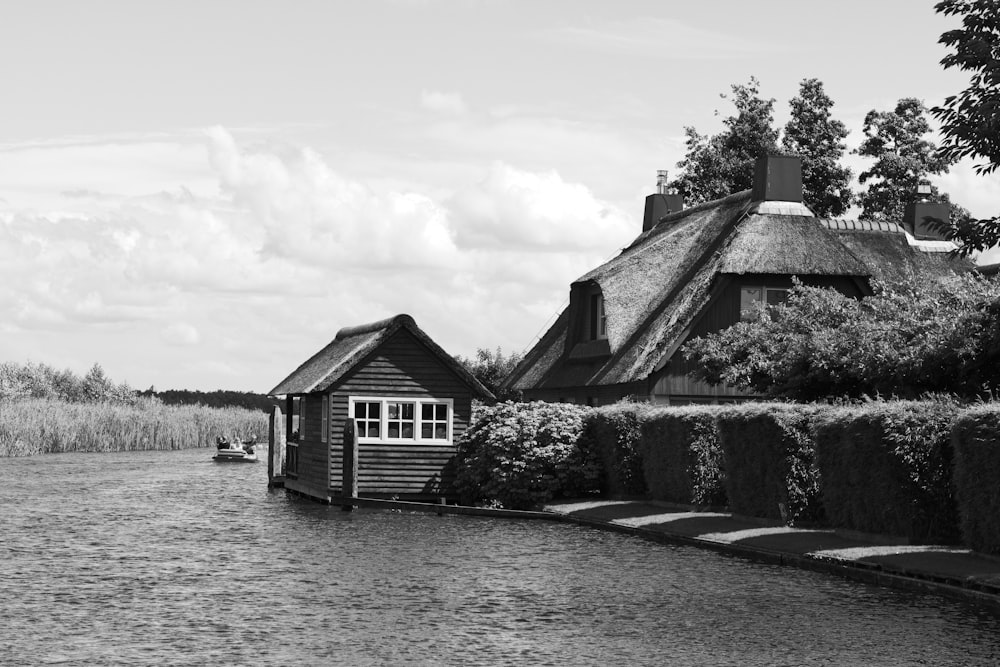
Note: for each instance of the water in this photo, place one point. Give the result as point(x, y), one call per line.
point(164, 558)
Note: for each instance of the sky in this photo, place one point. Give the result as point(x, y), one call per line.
point(200, 194)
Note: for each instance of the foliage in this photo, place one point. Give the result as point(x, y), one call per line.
point(887, 468)
point(814, 135)
point(936, 335)
point(970, 120)
point(903, 159)
point(719, 165)
point(518, 455)
point(213, 399)
point(20, 381)
point(611, 435)
point(770, 461)
point(31, 426)
point(491, 369)
point(682, 458)
point(976, 439)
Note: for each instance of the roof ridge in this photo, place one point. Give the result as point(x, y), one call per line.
point(662, 226)
point(372, 327)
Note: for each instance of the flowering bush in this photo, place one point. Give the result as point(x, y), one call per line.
point(518, 455)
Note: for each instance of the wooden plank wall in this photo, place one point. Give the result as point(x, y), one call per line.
point(401, 367)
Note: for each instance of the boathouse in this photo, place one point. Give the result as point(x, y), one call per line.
point(409, 400)
point(690, 272)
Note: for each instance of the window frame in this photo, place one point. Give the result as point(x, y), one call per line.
point(749, 314)
point(418, 402)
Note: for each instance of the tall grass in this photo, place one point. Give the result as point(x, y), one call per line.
point(42, 426)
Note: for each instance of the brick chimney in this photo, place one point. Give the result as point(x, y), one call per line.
point(918, 215)
point(778, 178)
point(666, 200)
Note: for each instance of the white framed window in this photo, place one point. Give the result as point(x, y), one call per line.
point(297, 419)
point(596, 317)
point(750, 297)
point(392, 420)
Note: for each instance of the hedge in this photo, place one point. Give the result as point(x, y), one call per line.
point(519, 455)
point(682, 456)
point(886, 468)
point(976, 443)
point(770, 461)
point(611, 435)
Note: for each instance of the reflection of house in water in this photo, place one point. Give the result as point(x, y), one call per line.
point(410, 401)
point(696, 271)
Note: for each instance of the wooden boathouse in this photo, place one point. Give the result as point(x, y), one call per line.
point(409, 402)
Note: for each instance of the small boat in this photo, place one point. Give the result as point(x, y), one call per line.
point(235, 451)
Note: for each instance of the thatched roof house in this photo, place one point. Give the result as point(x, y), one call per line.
point(699, 270)
point(409, 399)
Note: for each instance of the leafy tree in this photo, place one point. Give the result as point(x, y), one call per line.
point(491, 369)
point(715, 166)
point(814, 135)
point(970, 120)
point(903, 159)
point(939, 335)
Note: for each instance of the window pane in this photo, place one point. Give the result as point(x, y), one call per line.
point(776, 296)
point(426, 430)
point(373, 429)
point(407, 429)
point(374, 409)
point(442, 412)
point(359, 410)
point(441, 431)
point(427, 411)
point(394, 411)
point(393, 430)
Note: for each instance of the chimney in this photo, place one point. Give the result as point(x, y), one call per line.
point(778, 178)
point(666, 200)
point(918, 215)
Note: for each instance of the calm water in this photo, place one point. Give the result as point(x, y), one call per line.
point(164, 558)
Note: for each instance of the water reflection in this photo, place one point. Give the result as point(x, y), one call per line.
point(167, 558)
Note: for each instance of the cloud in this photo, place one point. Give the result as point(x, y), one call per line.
point(181, 333)
point(660, 38)
point(450, 103)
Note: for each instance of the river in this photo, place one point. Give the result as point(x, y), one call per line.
point(165, 558)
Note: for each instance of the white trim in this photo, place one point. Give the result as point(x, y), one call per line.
point(418, 402)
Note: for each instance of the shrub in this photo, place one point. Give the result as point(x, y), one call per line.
point(682, 457)
point(518, 455)
point(770, 461)
point(976, 443)
point(611, 435)
point(886, 468)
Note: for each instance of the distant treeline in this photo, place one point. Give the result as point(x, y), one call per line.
point(213, 399)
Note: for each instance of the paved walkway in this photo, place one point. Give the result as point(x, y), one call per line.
point(871, 558)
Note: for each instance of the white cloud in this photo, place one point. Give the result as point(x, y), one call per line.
point(451, 103)
point(181, 333)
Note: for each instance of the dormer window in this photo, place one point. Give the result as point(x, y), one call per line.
point(750, 297)
point(596, 318)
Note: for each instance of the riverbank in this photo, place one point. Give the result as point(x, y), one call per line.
point(873, 559)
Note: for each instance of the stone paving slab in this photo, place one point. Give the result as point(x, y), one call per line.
point(872, 558)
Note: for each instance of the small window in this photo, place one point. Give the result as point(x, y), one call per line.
point(367, 416)
point(750, 297)
point(597, 318)
point(296, 421)
point(399, 421)
point(434, 421)
point(392, 420)
point(325, 420)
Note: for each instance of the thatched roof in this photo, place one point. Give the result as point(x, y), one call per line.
point(352, 347)
point(660, 283)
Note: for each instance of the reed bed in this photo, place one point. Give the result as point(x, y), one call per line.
point(44, 426)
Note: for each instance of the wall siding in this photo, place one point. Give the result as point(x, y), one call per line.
point(404, 367)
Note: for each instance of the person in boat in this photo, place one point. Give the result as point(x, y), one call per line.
point(222, 442)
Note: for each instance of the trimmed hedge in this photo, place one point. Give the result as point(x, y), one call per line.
point(887, 468)
point(976, 443)
point(682, 456)
point(519, 455)
point(770, 461)
point(611, 435)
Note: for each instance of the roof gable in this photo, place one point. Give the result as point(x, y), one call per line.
point(352, 347)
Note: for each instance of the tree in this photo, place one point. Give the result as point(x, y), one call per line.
point(903, 159)
point(940, 335)
point(814, 135)
point(491, 369)
point(970, 120)
point(715, 166)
